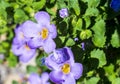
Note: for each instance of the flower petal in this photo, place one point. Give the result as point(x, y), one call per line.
point(16, 49)
point(30, 29)
point(26, 56)
point(69, 52)
point(35, 43)
point(115, 5)
point(34, 79)
point(19, 36)
point(20, 41)
point(61, 56)
point(18, 30)
point(42, 18)
point(50, 63)
point(69, 80)
point(45, 77)
point(77, 70)
point(56, 77)
point(63, 12)
point(17, 40)
point(49, 45)
point(52, 30)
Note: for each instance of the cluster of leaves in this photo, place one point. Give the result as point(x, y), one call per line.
point(93, 22)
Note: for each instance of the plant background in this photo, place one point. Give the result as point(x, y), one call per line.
point(93, 22)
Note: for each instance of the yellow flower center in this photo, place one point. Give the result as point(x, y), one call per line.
point(44, 33)
point(27, 47)
point(65, 68)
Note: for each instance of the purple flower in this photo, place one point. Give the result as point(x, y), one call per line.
point(24, 52)
point(19, 36)
point(63, 12)
point(2, 56)
point(30, 36)
point(64, 69)
point(36, 79)
point(41, 33)
point(42, 61)
point(20, 47)
point(83, 45)
point(115, 5)
point(76, 39)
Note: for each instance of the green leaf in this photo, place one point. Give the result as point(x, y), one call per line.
point(15, 5)
point(52, 1)
point(79, 24)
point(3, 14)
point(99, 27)
point(85, 34)
point(118, 62)
point(99, 40)
point(115, 40)
point(12, 60)
point(90, 73)
point(39, 5)
point(74, 20)
point(61, 4)
point(70, 42)
point(116, 81)
point(100, 55)
point(93, 80)
point(92, 12)
point(5, 44)
point(52, 11)
point(24, 2)
point(4, 4)
point(14, 82)
point(2, 23)
point(75, 5)
point(1, 61)
point(87, 21)
point(31, 69)
point(20, 16)
point(3, 29)
point(62, 38)
point(99, 33)
point(2, 50)
point(93, 3)
point(109, 70)
point(29, 9)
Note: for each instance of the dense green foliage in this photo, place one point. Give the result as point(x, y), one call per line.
point(91, 21)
